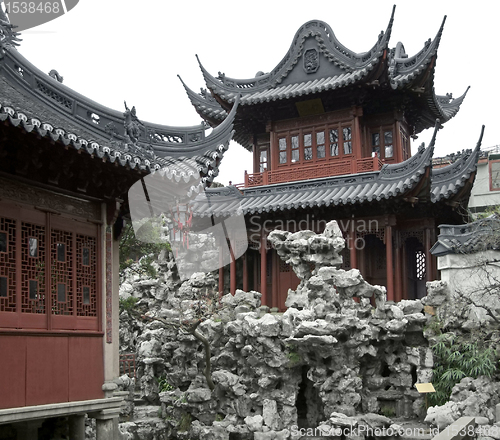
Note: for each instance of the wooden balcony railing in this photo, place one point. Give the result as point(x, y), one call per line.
point(305, 172)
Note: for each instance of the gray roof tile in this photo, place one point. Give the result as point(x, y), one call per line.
point(340, 190)
point(32, 101)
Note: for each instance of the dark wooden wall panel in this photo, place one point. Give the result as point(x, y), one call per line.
point(86, 368)
point(47, 372)
point(12, 371)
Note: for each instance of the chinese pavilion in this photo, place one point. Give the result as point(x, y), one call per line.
point(66, 166)
point(330, 134)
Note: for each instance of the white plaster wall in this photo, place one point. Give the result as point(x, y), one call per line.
point(471, 275)
point(481, 196)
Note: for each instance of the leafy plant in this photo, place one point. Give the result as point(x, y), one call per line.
point(434, 325)
point(164, 385)
point(127, 304)
point(293, 357)
point(133, 250)
point(388, 411)
point(456, 358)
point(185, 422)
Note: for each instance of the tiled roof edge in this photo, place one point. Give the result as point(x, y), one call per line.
point(448, 180)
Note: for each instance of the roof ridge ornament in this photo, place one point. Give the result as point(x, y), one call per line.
point(133, 126)
point(8, 37)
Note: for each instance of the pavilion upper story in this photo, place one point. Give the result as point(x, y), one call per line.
point(325, 110)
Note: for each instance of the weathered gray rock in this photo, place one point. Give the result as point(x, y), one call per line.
point(327, 359)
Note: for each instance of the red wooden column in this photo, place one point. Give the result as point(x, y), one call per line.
point(429, 275)
point(263, 269)
point(398, 294)
point(221, 270)
point(255, 271)
point(352, 250)
point(232, 275)
point(245, 272)
point(275, 279)
point(389, 263)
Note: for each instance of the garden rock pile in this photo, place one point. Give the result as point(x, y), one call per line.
point(327, 360)
point(473, 398)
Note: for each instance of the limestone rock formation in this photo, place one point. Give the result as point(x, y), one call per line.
point(327, 360)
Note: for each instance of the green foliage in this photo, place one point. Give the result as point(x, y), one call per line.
point(388, 411)
point(456, 358)
point(219, 417)
point(128, 304)
point(164, 385)
point(185, 423)
point(293, 357)
point(132, 250)
point(434, 325)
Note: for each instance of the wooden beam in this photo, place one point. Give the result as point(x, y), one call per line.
point(263, 269)
point(389, 263)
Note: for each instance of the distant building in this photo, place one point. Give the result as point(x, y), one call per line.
point(485, 194)
point(330, 134)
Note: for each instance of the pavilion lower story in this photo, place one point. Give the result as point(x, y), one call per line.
point(388, 251)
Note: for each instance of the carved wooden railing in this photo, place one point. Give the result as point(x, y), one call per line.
point(305, 172)
point(96, 118)
point(127, 364)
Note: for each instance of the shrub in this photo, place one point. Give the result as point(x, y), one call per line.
point(456, 358)
point(128, 304)
point(164, 385)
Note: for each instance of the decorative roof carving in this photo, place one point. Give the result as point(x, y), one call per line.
point(8, 37)
point(403, 69)
point(38, 103)
point(336, 67)
point(449, 180)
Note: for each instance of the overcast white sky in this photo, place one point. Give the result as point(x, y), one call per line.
point(116, 50)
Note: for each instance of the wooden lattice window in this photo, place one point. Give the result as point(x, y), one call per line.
point(320, 145)
point(347, 140)
point(405, 143)
point(314, 143)
point(383, 143)
point(308, 150)
point(420, 264)
point(295, 156)
point(7, 265)
point(282, 143)
point(494, 175)
point(66, 265)
point(86, 278)
point(263, 159)
point(334, 142)
point(33, 268)
point(62, 272)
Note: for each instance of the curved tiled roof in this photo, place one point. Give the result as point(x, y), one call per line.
point(37, 103)
point(449, 180)
point(206, 105)
point(391, 181)
point(343, 67)
point(404, 70)
point(336, 68)
point(480, 235)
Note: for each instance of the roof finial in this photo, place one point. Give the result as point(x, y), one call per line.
point(480, 141)
point(437, 126)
